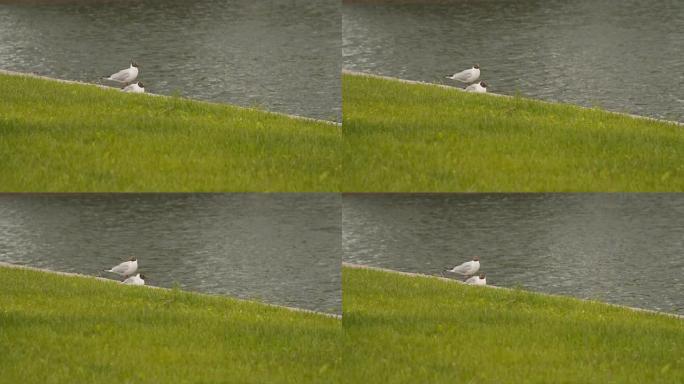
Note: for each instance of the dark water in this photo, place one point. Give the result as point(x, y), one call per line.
point(625, 56)
point(280, 55)
point(620, 248)
point(278, 248)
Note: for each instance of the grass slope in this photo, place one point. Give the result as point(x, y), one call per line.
point(418, 138)
point(62, 329)
point(68, 137)
point(401, 329)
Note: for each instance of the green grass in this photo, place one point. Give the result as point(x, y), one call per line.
point(419, 138)
point(64, 329)
point(401, 329)
point(56, 329)
point(68, 137)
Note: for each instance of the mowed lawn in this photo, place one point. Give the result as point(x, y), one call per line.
point(69, 137)
point(401, 329)
point(419, 138)
point(65, 329)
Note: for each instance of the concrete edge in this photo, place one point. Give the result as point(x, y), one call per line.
point(453, 281)
point(443, 86)
point(111, 281)
point(103, 86)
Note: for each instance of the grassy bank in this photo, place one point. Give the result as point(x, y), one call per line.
point(401, 329)
point(64, 329)
point(69, 137)
point(411, 137)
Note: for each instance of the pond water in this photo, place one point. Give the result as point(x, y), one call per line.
point(280, 55)
point(278, 248)
point(625, 57)
point(620, 248)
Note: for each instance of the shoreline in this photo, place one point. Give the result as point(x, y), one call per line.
point(444, 86)
point(446, 279)
point(104, 86)
point(111, 281)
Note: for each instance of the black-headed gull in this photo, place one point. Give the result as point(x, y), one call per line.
point(125, 76)
point(477, 280)
point(468, 268)
point(135, 280)
point(135, 88)
point(480, 87)
point(467, 76)
point(126, 268)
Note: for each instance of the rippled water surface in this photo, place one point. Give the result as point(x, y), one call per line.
point(281, 55)
point(624, 249)
point(279, 248)
point(625, 56)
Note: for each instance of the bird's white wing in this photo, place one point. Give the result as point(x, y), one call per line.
point(121, 268)
point(465, 76)
point(459, 76)
point(462, 269)
point(134, 280)
point(122, 75)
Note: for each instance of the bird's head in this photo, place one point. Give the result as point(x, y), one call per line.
point(476, 258)
point(483, 84)
point(482, 275)
point(476, 66)
point(132, 259)
point(134, 64)
point(145, 277)
point(140, 84)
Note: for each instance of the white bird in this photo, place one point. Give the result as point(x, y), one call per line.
point(477, 280)
point(468, 268)
point(135, 280)
point(480, 87)
point(467, 76)
point(126, 268)
point(125, 76)
point(135, 88)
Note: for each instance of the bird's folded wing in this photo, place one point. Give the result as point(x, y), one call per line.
point(120, 268)
point(121, 75)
